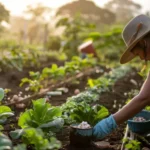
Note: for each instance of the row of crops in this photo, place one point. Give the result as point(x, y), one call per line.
point(36, 129)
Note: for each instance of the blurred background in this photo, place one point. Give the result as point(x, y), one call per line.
point(59, 27)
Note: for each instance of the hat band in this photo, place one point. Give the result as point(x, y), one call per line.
point(139, 26)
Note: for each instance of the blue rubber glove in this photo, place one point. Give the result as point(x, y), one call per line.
point(104, 127)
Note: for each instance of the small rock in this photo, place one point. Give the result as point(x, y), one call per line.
point(15, 98)
point(76, 91)
point(21, 105)
point(103, 145)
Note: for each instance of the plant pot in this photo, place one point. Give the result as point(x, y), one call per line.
point(80, 137)
point(140, 127)
point(87, 48)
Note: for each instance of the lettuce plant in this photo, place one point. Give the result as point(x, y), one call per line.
point(35, 137)
point(43, 115)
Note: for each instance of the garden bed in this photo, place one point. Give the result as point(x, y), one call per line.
point(107, 99)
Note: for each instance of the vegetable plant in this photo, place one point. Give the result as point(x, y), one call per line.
point(43, 115)
point(35, 137)
point(53, 74)
point(5, 112)
point(132, 144)
point(84, 112)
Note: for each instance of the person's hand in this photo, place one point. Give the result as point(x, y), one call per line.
point(104, 127)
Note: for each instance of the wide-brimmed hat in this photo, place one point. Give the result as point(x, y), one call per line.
point(133, 32)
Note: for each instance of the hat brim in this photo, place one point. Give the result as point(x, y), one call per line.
point(128, 55)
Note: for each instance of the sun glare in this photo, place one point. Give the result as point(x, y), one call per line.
point(17, 7)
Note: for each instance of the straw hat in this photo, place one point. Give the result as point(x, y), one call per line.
point(133, 32)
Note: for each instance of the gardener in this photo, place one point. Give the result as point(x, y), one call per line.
point(137, 38)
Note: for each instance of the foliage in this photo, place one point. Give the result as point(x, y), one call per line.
point(93, 93)
point(55, 73)
point(109, 45)
point(89, 11)
point(19, 56)
point(36, 138)
point(39, 23)
point(53, 43)
point(124, 10)
point(20, 147)
point(84, 96)
point(84, 112)
point(75, 31)
point(132, 144)
point(4, 13)
point(49, 117)
point(105, 82)
point(5, 112)
point(1, 94)
point(5, 142)
point(76, 112)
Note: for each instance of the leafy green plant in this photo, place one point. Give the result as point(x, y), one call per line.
point(86, 96)
point(132, 144)
point(81, 111)
point(105, 82)
point(35, 137)
point(55, 73)
point(5, 112)
point(43, 115)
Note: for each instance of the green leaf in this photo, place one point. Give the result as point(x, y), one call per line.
point(20, 147)
point(1, 94)
point(54, 67)
point(52, 113)
point(16, 134)
point(57, 123)
point(24, 119)
point(7, 114)
point(102, 112)
point(4, 109)
point(5, 142)
point(1, 127)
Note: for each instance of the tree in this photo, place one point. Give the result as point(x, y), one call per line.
point(4, 16)
point(4, 13)
point(38, 29)
point(124, 9)
point(88, 10)
point(75, 32)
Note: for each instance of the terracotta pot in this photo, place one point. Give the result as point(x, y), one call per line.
point(87, 48)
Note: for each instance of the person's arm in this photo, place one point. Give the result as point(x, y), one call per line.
point(136, 104)
point(106, 126)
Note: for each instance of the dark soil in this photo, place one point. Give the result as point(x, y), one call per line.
point(12, 78)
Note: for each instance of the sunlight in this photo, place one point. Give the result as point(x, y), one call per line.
point(17, 6)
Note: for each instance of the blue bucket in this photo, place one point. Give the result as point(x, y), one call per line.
point(140, 127)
